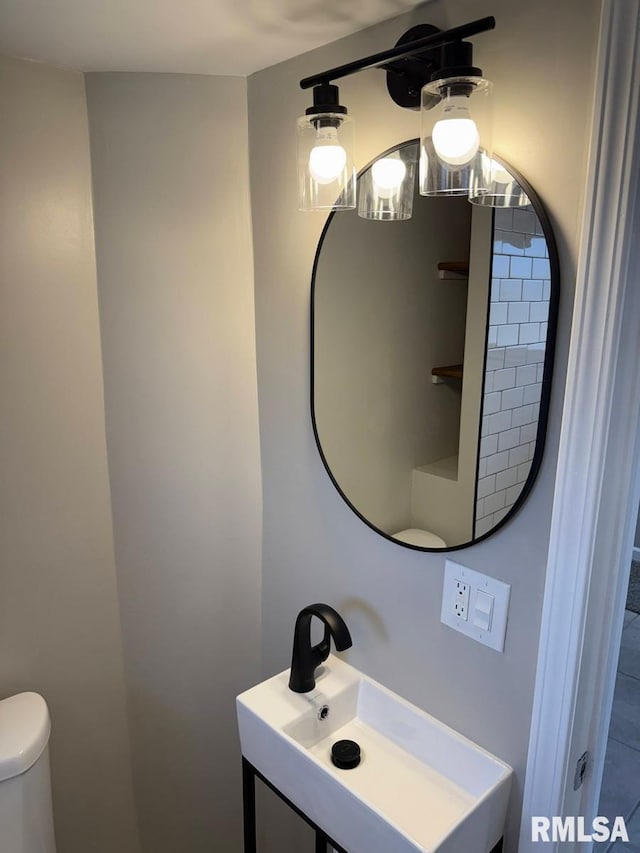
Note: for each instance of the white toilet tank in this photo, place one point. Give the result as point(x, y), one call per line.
point(26, 816)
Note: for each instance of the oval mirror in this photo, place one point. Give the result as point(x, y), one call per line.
point(432, 344)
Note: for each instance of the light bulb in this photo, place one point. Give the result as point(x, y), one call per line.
point(388, 174)
point(327, 158)
point(455, 136)
point(499, 174)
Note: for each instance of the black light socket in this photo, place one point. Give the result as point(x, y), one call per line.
point(456, 61)
point(326, 99)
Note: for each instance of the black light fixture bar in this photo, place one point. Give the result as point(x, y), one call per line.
point(403, 51)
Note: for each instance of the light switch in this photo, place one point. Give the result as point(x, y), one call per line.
point(483, 611)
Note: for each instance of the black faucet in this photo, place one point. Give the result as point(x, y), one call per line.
point(306, 658)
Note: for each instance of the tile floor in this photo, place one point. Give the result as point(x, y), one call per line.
point(620, 793)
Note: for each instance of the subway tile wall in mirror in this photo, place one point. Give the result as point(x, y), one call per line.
point(516, 343)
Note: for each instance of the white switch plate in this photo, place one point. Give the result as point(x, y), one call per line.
point(477, 582)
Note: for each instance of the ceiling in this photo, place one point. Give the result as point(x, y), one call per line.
point(233, 37)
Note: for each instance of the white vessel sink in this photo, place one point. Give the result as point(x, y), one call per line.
point(420, 786)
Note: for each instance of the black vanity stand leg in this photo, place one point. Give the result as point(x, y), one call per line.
point(321, 842)
point(249, 806)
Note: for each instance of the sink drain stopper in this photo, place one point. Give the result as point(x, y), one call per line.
point(345, 754)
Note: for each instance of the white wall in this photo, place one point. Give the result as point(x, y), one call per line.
point(541, 58)
point(173, 237)
point(59, 626)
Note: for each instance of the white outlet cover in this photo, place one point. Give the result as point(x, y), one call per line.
point(494, 638)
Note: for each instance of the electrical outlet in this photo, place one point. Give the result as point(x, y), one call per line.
point(475, 604)
point(461, 600)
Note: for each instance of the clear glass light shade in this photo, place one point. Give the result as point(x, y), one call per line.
point(456, 136)
point(386, 187)
point(504, 190)
point(326, 168)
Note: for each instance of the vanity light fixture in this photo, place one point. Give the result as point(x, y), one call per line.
point(326, 166)
point(386, 189)
point(504, 190)
point(456, 114)
point(428, 69)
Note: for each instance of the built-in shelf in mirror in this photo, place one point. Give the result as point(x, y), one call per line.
point(453, 269)
point(452, 371)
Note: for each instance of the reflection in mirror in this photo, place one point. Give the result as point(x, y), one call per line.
point(432, 347)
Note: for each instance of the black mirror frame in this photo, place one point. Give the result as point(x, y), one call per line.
point(545, 398)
